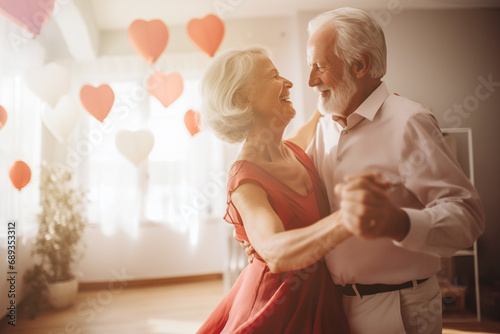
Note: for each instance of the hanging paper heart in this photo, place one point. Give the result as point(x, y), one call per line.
point(31, 15)
point(192, 119)
point(97, 101)
point(20, 174)
point(135, 145)
point(3, 117)
point(48, 82)
point(206, 33)
point(149, 38)
point(62, 119)
point(165, 87)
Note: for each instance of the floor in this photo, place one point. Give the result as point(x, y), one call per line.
point(173, 309)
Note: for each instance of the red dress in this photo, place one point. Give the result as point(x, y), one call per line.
point(301, 301)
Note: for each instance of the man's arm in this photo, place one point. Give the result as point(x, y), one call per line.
point(303, 136)
point(284, 250)
point(452, 216)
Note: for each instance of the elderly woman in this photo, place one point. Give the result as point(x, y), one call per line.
point(276, 201)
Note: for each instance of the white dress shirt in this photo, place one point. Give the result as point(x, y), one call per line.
point(401, 139)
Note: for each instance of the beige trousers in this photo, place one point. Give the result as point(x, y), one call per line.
point(413, 310)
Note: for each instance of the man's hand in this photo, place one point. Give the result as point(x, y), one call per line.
point(249, 251)
point(366, 209)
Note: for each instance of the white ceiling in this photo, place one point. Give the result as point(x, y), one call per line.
point(118, 14)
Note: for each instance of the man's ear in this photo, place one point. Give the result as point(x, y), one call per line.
point(363, 65)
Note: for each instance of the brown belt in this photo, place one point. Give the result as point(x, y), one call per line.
point(371, 289)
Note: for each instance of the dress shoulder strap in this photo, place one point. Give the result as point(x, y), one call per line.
point(300, 154)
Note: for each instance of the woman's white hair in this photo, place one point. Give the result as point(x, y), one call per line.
point(357, 32)
point(229, 75)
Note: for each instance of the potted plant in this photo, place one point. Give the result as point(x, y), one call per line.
point(62, 223)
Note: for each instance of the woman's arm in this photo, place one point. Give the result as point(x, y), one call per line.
point(284, 250)
point(303, 136)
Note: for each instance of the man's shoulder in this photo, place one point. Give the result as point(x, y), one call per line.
point(403, 107)
point(402, 113)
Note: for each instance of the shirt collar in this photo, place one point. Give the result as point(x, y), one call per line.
point(369, 108)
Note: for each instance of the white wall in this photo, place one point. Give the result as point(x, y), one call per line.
point(158, 251)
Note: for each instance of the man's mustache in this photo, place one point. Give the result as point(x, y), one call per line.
point(321, 88)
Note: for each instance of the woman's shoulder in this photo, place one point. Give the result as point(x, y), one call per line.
point(245, 171)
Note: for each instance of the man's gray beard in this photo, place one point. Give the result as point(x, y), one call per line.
point(338, 100)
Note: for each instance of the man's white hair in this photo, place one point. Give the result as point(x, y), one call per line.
point(228, 75)
point(357, 32)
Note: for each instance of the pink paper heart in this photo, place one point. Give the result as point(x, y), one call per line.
point(149, 38)
point(192, 120)
point(31, 15)
point(97, 101)
point(165, 87)
point(206, 33)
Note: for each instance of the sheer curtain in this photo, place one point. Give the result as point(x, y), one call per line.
point(20, 138)
point(182, 181)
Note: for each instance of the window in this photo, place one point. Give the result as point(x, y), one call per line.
point(183, 175)
point(180, 165)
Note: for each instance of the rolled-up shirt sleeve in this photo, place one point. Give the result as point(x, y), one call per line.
point(452, 217)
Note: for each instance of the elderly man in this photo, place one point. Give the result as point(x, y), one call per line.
point(386, 166)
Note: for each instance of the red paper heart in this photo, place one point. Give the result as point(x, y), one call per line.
point(192, 119)
point(165, 87)
point(31, 15)
point(3, 116)
point(20, 174)
point(97, 101)
point(206, 33)
point(149, 38)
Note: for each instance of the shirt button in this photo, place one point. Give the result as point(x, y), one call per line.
point(339, 159)
point(344, 132)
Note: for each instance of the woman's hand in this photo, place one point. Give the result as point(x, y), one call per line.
point(249, 251)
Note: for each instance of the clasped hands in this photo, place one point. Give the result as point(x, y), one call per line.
point(365, 210)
